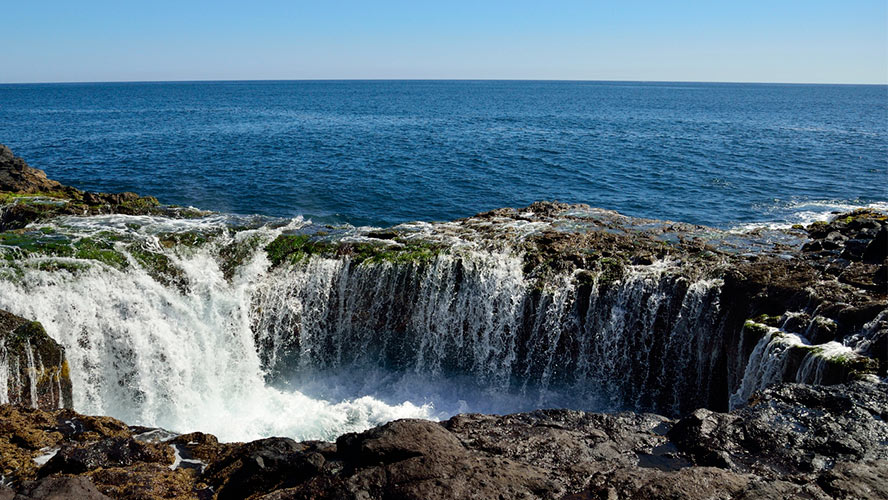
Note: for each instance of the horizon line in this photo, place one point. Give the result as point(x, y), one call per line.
point(577, 80)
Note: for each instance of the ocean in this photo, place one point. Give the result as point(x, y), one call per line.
point(385, 152)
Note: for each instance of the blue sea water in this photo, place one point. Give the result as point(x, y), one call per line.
point(383, 152)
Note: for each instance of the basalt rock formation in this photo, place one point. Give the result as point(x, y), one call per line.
point(17, 177)
point(791, 441)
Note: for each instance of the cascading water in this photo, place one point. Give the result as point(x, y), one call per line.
point(327, 344)
point(471, 315)
point(784, 356)
point(767, 364)
point(4, 375)
point(144, 352)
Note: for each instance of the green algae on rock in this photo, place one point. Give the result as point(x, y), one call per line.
point(294, 248)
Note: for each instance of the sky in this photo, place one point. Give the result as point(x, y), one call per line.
point(793, 41)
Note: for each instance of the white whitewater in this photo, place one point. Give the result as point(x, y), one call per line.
point(328, 346)
point(4, 375)
point(769, 363)
point(150, 355)
point(472, 313)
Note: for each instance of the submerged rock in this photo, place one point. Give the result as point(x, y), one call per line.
point(791, 441)
point(33, 368)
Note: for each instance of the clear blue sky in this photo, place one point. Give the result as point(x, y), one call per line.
point(750, 40)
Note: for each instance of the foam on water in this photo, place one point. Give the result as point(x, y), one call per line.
point(786, 215)
point(150, 355)
point(330, 345)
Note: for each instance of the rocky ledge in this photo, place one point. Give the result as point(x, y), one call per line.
point(815, 295)
point(27, 195)
point(791, 441)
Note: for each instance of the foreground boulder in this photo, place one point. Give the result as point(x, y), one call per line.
point(792, 441)
point(36, 371)
point(56, 488)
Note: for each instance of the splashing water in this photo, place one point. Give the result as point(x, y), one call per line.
point(322, 346)
point(150, 355)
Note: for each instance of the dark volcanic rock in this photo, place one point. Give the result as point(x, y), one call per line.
point(262, 466)
point(397, 441)
point(789, 441)
point(418, 459)
point(28, 433)
point(792, 441)
point(792, 427)
point(17, 177)
point(570, 454)
point(37, 371)
point(60, 488)
point(679, 308)
point(77, 458)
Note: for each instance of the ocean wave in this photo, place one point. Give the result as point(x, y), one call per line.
point(786, 215)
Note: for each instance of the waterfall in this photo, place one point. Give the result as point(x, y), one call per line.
point(32, 374)
point(816, 362)
point(473, 313)
point(455, 313)
point(149, 354)
point(4, 375)
point(783, 356)
point(766, 365)
point(330, 343)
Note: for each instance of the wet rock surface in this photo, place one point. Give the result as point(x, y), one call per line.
point(675, 291)
point(791, 441)
point(36, 369)
point(824, 311)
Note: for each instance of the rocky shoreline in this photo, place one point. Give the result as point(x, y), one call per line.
point(792, 441)
point(803, 295)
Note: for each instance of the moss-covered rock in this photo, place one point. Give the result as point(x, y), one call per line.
point(36, 371)
point(20, 243)
point(234, 254)
point(158, 266)
point(612, 270)
point(756, 328)
point(190, 239)
point(294, 248)
point(769, 320)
